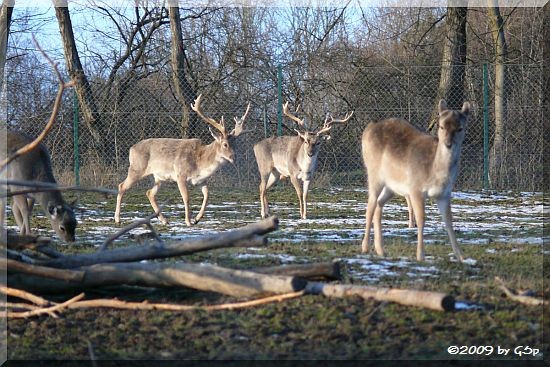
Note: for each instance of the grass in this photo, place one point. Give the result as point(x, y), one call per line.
point(310, 327)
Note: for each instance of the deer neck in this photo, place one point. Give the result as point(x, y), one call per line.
point(445, 164)
point(306, 163)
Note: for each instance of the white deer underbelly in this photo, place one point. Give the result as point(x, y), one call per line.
point(201, 176)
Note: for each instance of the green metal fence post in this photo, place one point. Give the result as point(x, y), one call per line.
point(75, 141)
point(485, 128)
point(279, 100)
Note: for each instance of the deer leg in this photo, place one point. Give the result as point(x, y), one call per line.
point(306, 188)
point(152, 196)
point(445, 210)
point(417, 201)
point(122, 187)
point(298, 189)
point(265, 184)
point(412, 223)
point(21, 213)
point(182, 185)
point(371, 206)
point(204, 190)
point(384, 196)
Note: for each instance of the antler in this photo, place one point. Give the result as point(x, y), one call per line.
point(238, 130)
point(330, 120)
point(292, 117)
point(196, 107)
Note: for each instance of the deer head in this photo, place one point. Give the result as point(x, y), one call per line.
point(223, 139)
point(312, 139)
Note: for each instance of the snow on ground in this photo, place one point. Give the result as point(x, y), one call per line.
point(480, 218)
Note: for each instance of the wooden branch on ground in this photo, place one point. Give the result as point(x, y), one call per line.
point(526, 300)
point(238, 283)
point(315, 271)
point(76, 303)
point(408, 297)
point(241, 237)
point(115, 303)
point(128, 228)
point(40, 311)
point(42, 271)
point(15, 241)
point(24, 295)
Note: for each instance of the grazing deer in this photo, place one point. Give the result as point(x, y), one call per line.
point(35, 166)
point(181, 160)
point(291, 156)
point(400, 159)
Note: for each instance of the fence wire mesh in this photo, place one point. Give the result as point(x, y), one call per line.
point(130, 110)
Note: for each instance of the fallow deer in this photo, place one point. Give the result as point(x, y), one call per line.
point(291, 156)
point(35, 166)
point(186, 161)
point(400, 159)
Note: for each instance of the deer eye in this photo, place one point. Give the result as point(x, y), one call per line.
point(62, 229)
point(459, 129)
point(225, 145)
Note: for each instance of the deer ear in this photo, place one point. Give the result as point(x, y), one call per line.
point(442, 106)
point(466, 108)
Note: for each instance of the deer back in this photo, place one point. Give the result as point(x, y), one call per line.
point(168, 159)
point(399, 156)
point(36, 166)
point(285, 154)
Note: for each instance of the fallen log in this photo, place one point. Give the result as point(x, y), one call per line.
point(237, 283)
point(246, 236)
point(41, 271)
point(315, 271)
point(408, 297)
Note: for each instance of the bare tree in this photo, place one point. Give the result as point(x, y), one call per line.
point(453, 64)
point(5, 19)
point(499, 40)
point(184, 91)
point(82, 86)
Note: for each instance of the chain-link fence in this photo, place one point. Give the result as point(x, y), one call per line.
point(131, 110)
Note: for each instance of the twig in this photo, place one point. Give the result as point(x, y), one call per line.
point(41, 311)
point(62, 85)
point(24, 295)
point(527, 300)
point(128, 228)
point(115, 303)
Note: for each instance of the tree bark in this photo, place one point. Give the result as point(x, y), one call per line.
point(184, 91)
point(453, 64)
point(83, 89)
point(5, 19)
point(497, 30)
point(327, 270)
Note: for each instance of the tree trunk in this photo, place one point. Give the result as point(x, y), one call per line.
point(453, 64)
point(5, 20)
point(83, 90)
point(184, 92)
point(497, 30)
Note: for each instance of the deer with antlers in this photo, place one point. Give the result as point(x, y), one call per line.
point(400, 159)
point(291, 156)
point(185, 161)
